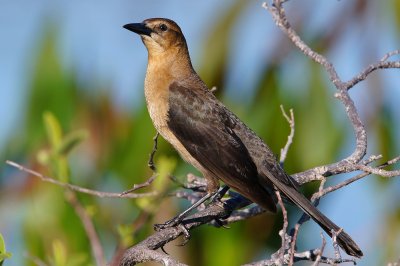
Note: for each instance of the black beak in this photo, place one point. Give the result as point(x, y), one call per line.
point(139, 28)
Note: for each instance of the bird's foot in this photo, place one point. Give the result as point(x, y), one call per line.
point(176, 221)
point(217, 197)
point(170, 223)
point(221, 223)
point(186, 235)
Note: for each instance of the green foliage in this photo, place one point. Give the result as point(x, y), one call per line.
point(3, 252)
point(217, 46)
point(125, 233)
point(60, 146)
point(165, 166)
point(52, 90)
point(60, 256)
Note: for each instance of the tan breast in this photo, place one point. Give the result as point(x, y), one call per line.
point(157, 96)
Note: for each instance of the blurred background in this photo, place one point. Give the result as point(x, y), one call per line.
point(72, 107)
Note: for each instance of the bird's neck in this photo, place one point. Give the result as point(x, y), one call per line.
point(174, 63)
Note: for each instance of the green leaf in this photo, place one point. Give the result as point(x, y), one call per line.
point(53, 129)
point(59, 253)
point(3, 253)
point(2, 245)
point(5, 256)
point(57, 160)
point(71, 141)
point(43, 157)
point(61, 257)
point(125, 232)
point(51, 89)
point(217, 46)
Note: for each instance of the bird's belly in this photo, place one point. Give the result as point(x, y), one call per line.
point(160, 123)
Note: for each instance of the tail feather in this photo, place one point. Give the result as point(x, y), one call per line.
point(343, 239)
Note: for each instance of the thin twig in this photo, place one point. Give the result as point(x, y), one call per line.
point(35, 260)
point(244, 214)
point(390, 54)
point(153, 152)
point(88, 225)
point(152, 167)
point(335, 243)
point(309, 255)
point(138, 186)
point(377, 171)
point(282, 232)
point(330, 189)
point(319, 257)
point(96, 193)
point(382, 64)
point(289, 142)
point(293, 244)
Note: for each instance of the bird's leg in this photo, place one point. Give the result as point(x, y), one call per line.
point(217, 198)
point(178, 219)
point(220, 193)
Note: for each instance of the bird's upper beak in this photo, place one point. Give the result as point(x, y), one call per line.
point(139, 28)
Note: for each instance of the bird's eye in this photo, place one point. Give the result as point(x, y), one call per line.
point(163, 27)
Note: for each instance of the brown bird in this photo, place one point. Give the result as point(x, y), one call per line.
point(209, 136)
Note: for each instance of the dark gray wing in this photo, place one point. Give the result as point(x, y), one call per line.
point(204, 128)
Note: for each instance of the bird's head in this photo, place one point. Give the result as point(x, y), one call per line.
point(159, 35)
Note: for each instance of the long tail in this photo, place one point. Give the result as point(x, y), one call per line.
point(343, 239)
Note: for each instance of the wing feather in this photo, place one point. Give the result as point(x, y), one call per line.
point(207, 131)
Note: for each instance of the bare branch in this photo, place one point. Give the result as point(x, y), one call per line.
point(396, 263)
point(96, 193)
point(141, 185)
point(213, 211)
point(293, 244)
point(377, 171)
point(88, 225)
point(142, 254)
point(244, 214)
point(335, 244)
point(382, 64)
point(282, 232)
point(321, 251)
point(309, 255)
point(152, 167)
point(153, 152)
point(390, 54)
point(330, 189)
point(289, 142)
point(278, 13)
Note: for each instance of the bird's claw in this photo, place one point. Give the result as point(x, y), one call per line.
point(221, 223)
point(186, 235)
point(170, 223)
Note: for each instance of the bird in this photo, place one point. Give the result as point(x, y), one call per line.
point(209, 136)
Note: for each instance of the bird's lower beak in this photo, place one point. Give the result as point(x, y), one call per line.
point(139, 28)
